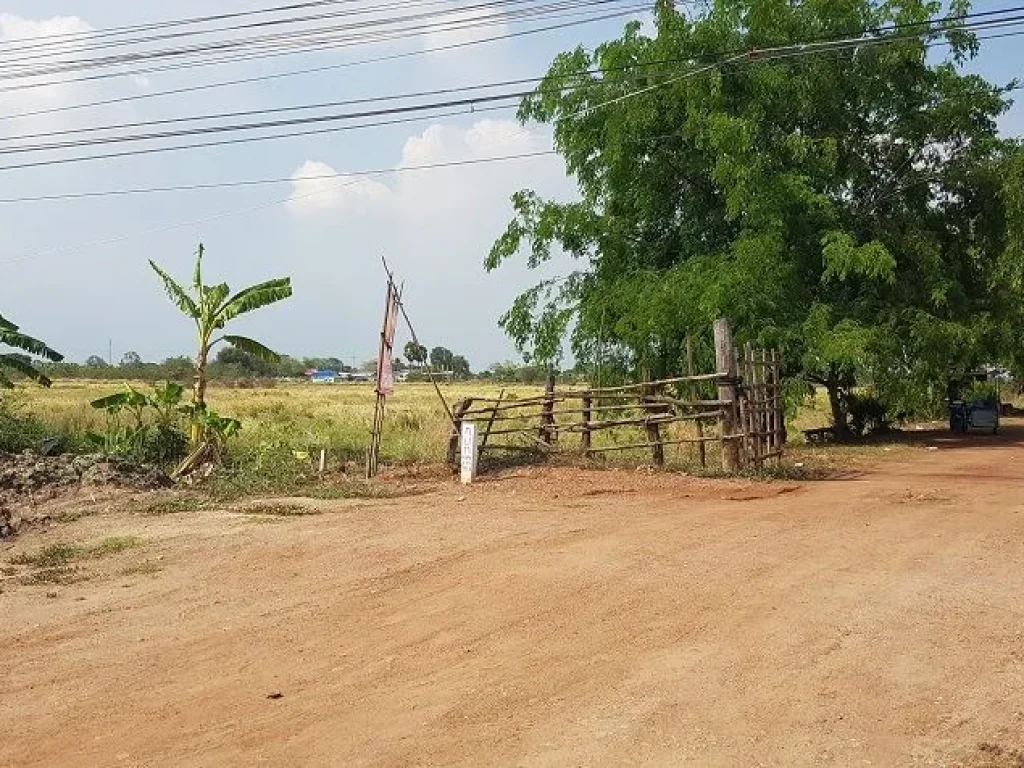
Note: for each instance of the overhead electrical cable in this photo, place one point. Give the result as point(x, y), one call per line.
point(295, 41)
point(788, 51)
point(330, 67)
point(278, 180)
point(589, 108)
point(298, 41)
point(293, 73)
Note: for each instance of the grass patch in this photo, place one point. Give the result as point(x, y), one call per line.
point(145, 568)
point(279, 510)
point(53, 556)
point(74, 515)
point(112, 545)
point(175, 505)
point(60, 555)
point(353, 489)
point(60, 575)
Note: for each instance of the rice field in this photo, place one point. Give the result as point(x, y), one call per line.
point(303, 418)
point(299, 416)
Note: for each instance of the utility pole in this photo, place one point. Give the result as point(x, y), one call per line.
point(110, 352)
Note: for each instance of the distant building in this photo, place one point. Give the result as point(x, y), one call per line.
point(322, 377)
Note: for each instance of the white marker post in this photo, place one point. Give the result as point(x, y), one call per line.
point(469, 452)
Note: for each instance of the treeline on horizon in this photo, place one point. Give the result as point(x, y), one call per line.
point(233, 365)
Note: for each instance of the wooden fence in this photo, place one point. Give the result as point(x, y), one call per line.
point(744, 416)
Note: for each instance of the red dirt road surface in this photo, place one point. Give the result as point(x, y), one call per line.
point(558, 618)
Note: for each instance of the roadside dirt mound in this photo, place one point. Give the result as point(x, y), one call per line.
point(26, 478)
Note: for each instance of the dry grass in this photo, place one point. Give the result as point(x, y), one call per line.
point(299, 419)
point(303, 417)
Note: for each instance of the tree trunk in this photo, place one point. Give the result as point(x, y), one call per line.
point(199, 395)
point(839, 420)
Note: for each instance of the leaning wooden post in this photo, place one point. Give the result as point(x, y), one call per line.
point(547, 417)
point(588, 416)
point(725, 365)
point(691, 369)
point(454, 454)
point(490, 421)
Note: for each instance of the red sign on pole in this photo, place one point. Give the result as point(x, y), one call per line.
point(385, 360)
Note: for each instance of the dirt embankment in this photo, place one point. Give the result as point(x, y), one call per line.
point(28, 480)
point(554, 618)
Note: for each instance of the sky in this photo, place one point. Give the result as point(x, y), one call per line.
point(75, 272)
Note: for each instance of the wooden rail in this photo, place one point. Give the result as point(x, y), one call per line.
point(745, 416)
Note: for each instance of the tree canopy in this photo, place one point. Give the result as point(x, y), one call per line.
point(853, 204)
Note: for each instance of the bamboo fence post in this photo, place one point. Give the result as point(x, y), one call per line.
point(725, 364)
point(691, 369)
point(742, 401)
point(779, 404)
point(653, 430)
point(588, 415)
point(490, 421)
point(767, 404)
point(547, 419)
point(456, 433)
point(756, 405)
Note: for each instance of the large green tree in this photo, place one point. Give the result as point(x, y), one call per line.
point(843, 201)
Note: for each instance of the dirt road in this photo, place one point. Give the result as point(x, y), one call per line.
point(557, 619)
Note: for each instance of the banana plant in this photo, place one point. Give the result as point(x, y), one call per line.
point(211, 308)
point(12, 337)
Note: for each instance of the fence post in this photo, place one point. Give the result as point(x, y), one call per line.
point(694, 390)
point(456, 433)
point(779, 406)
point(547, 418)
point(588, 415)
point(653, 430)
point(725, 365)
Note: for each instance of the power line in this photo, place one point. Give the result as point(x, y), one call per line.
point(245, 140)
point(801, 50)
point(277, 180)
point(214, 129)
point(295, 41)
point(330, 67)
point(318, 177)
point(111, 31)
point(75, 45)
point(320, 105)
point(787, 51)
point(294, 73)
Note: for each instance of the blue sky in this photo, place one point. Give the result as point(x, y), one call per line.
point(75, 272)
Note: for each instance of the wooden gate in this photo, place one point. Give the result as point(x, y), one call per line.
point(738, 410)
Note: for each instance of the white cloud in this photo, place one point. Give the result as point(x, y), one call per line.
point(460, 27)
point(415, 191)
point(21, 30)
point(15, 28)
point(314, 192)
point(486, 138)
point(434, 226)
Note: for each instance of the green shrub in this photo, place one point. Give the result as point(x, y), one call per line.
point(19, 431)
